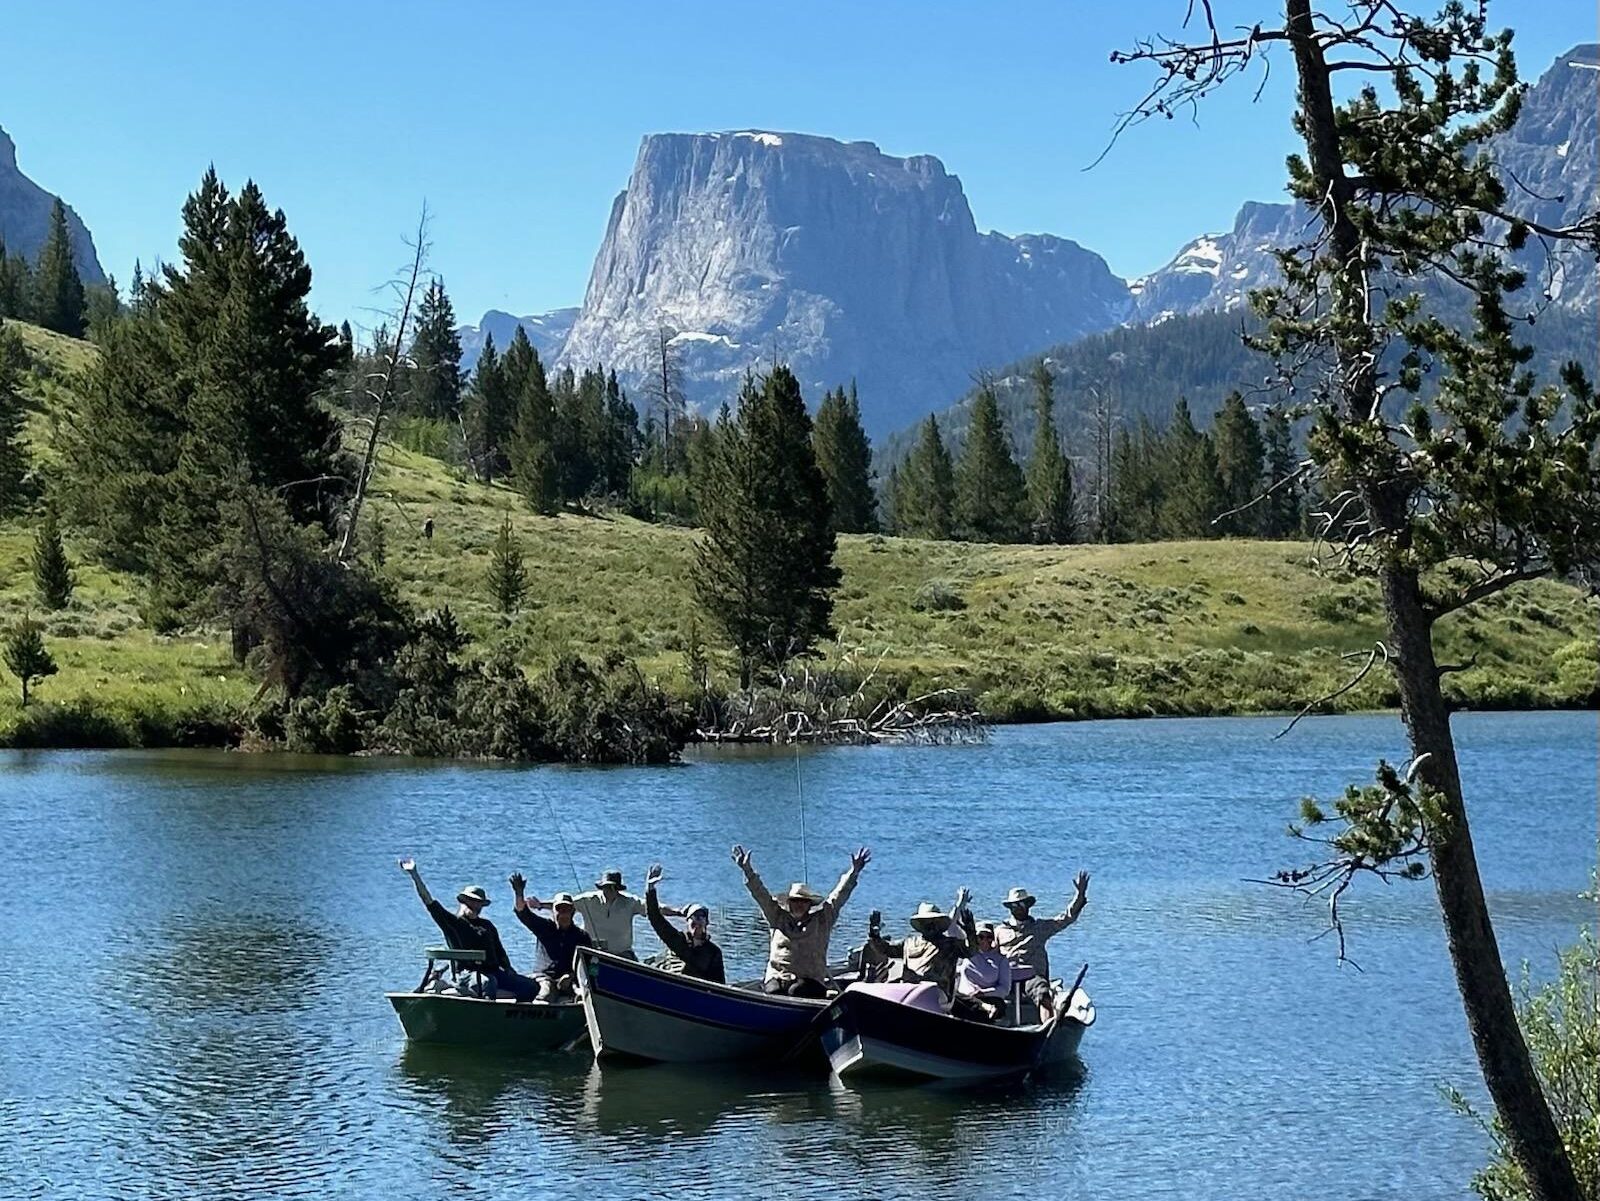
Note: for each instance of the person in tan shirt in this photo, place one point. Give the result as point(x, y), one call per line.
point(930, 952)
point(1021, 937)
point(801, 921)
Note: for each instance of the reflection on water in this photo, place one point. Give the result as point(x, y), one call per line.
point(200, 943)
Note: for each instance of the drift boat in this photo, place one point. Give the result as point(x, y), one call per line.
point(644, 1012)
point(437, 1011)
point(903, 1031)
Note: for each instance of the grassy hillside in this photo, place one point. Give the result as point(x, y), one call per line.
point(1171, 628)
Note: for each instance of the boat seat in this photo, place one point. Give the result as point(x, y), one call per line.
point(919, 996)
point(451, 961)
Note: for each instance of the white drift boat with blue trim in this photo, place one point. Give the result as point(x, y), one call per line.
point(637, 1011)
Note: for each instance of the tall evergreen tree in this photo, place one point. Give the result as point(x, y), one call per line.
point(1050, 500)
point(621, 443)
point(53, 580)
point(13, 455)
point(925, 492)
point(58, 298)
point(845, 457)
point(435, 381)
point(1138, 485)
point(1241, 463)
point(889, 501)
point(1191, 496)
point(764, 571)
point(491, 413)
point(1282, 511)
point(216, 382)
point(15, 286)
point(508, 577)
point(533, 464)
point(991, 497)
point(102, 309)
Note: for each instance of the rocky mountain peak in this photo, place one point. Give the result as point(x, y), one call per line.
point(25, 216)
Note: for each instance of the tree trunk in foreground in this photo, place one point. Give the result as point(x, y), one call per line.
point(1503, 1056)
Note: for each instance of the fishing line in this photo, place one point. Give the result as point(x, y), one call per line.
point(800, 799)
point(555, 823)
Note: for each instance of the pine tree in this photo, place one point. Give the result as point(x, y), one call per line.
point(845, 457)
point(991, 497)
point(1241, 456)
point(763, 570)
point(1050, 497)
point(508, 577)
point(1191, 492)
point(1282, 510)
point(621, 445)
point(14, 291)
point(102, 308)
point(925, 493)
point(13, 455)
point(1490, 483)
point(58, 299)
point(26, 656)
point(53, 580)
point(889, 501)
point(491, 412)
point(534, 470)
point(435, 380)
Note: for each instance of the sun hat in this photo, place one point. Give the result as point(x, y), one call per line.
point(927, 911)
point(1020, 896)
point(563, 898)
point(612, 877)
point(800, 892)
point(696, 908)
point(474, 894)
point(986, 928)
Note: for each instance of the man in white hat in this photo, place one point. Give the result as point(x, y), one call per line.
point(468, 930)
point(801, 922)
point(693, 952)
point(1021, 937)
point(608, 911)
point(930, 952)
point(560, 938)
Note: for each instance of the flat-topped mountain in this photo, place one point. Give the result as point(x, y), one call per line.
point(25, 217)
point(842, 260)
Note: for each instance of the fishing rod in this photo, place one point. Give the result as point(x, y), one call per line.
point(800, 800)
point(555, 823)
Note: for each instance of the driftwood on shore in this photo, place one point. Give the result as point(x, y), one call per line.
point(825, 706)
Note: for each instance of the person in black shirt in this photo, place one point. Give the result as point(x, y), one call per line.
point(559, 938)
point(468, 930)
point(695, 954)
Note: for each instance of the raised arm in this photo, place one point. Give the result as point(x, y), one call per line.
point(409, 866)
point(847, 882)
point(888, 948)
point(671, 938)
point(968, 945)
point(1080, 898)
point(758, 890)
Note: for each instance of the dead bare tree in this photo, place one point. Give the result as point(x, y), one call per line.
point(379, 387)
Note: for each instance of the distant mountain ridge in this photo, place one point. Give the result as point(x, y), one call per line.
point(25, 217)
point(850, 263)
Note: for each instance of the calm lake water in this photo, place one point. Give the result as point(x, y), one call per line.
point(198, 943)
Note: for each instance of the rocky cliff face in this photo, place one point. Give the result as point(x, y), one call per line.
point(842, 260)
point(25, 216)
point(1552, 151)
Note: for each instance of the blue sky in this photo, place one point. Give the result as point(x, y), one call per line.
point(518, 122)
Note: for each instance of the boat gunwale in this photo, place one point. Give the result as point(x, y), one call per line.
point(749, 991)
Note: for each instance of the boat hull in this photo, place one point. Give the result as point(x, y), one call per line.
point(504, 1025)
point(642, 1012)
point(869, 1037)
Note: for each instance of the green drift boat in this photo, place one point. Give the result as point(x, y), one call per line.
point(432, 1016)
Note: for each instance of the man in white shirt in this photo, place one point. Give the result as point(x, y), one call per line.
point(608, 912)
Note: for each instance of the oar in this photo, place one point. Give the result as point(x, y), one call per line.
point(1073, 991)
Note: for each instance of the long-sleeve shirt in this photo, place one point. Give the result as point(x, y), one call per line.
point(558, 943)
point(932, 956)
point(1023, 942)
point(467, 933)
point(610, 924)
point(985, 974)
point(701, 960)
point(799, 947)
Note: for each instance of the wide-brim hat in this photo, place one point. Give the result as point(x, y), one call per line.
point(563, 898)
point(1020, 896)
point(696, 908)
point(613, 878)
point(929, 912)
point(473, 894)
point(986, 928)
point(800, 892)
